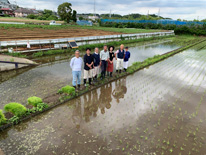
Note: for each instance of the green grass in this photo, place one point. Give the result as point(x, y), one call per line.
point(57, 27)
point(15, 108)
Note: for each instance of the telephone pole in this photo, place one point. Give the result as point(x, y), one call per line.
point(94, 7)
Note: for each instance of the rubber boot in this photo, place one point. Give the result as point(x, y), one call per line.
point(79, 86)
point(111, 74)
point(90, 81)
point(120, 71)
point(117, 71)
point(75, 87)
point(85, 81)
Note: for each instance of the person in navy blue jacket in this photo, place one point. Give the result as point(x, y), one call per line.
point(126, 58)
point(97, 64)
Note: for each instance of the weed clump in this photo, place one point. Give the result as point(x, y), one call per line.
point(34, 101)
point(67, 90)
point(15, 108)
point(2, 118)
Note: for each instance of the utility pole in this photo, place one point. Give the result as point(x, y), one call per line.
point(159, 13)
point(110, 14)
point(148, 14)
point(94, 8)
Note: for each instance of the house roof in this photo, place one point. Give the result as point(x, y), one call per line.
point(6, 9)
point(25, 11)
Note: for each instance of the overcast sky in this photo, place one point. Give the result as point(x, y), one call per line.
point(184, 9)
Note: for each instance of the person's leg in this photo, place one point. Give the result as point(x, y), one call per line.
point(105, 68)
point(117, 64)
point(85, 76)
point(90, 76)
point(79, 78)
point(102, 69)
point(94, 73)
point(126, 65)
point(74, 74)
point(121, 65)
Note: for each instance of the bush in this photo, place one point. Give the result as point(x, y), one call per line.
point(67, 89)
point(2, 118)
point(34, 101)
point(15, 108)
point(41, 106)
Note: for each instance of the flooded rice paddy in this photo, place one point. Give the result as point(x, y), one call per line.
point(158, 110)
point(46, 79)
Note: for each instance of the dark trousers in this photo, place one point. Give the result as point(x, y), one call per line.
point(104, 68)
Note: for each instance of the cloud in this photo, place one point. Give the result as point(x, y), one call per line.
point(184, 9)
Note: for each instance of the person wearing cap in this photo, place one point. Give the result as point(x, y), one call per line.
point(76, 66)
point(104, 57)
point(126, 59)
point(97, 63)
point(88, 66)
point(119, 55)
point(110, 66)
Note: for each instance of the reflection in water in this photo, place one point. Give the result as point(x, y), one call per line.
point(120, 89)
point(92, 102)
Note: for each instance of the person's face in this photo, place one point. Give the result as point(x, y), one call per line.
point(77, 54)
point(126, 49)
point(105, 48)
point(88, 51)
point(96, 50)
point(111, 49)
point(122, 47)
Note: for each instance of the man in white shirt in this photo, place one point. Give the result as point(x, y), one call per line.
point(104, 57)
point(76, 65)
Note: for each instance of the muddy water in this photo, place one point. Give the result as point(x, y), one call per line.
point(48, 78)
point(159, 110)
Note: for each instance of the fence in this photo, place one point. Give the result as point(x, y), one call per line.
point(163, 22)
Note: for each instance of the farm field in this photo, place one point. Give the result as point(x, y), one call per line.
point(25, 20)
point(32, 32)
point(158, 110)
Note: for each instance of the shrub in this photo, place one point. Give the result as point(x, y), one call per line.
point(67, 89)
point(41, 106)
point(2, 118)
point(34, 101)
point(15, 108)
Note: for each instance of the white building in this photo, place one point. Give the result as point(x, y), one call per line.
point(93, 17)
point(7, 4)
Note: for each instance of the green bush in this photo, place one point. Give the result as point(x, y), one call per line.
point(15, 108)
point(34, 101)
point(67, 90)
point(41, 106)
point(2, 118)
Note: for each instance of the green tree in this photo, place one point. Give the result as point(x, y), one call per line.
point(74, 16)
point(65, 11)
point(81, 18)
point(47, 13)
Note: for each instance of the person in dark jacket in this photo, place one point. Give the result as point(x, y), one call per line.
point(88, 66)
point(126, 59)
point(97, 63)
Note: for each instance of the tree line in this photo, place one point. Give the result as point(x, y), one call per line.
point(193, 29)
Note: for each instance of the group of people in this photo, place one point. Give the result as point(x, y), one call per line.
point(97, 61)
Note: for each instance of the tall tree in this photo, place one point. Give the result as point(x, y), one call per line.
point(65, 11)
point(74, 16)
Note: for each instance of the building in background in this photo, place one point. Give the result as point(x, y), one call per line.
point(7, 4)
point(24, 12)
point(6, 11)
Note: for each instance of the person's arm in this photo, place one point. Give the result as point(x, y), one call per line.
point(116, 54)
point(72, 63)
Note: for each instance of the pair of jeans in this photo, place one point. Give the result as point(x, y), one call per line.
point(104, 68)
point(76, 77)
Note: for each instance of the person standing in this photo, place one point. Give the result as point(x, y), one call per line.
point(104, 57)
point(76, 66)
point(88, 66)
point(126, 58)
point(110, 67)
point(97, 63)
point(119, 55)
